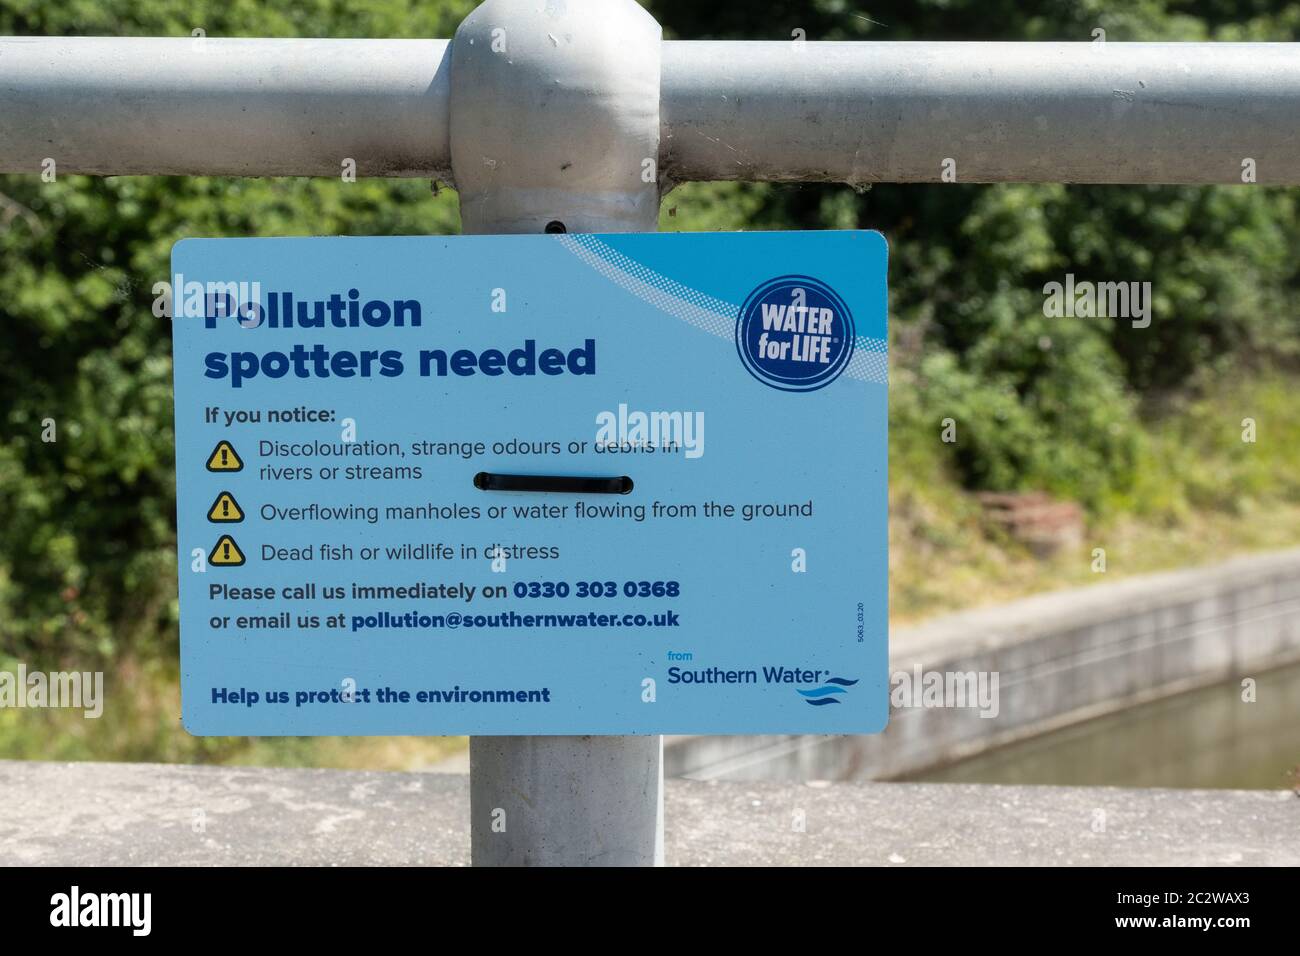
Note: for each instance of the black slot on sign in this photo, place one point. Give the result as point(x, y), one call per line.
point(557, 484)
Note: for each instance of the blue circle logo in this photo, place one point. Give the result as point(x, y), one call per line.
point(795, 333)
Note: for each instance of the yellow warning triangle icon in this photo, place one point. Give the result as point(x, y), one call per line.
point(226, 553)
point(225, 508)
point(223, 458)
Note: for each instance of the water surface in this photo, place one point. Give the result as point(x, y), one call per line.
point(1204, 738)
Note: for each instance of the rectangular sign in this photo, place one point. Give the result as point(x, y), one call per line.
point(571, 484)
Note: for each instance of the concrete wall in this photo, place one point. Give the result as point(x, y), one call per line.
point(1061, 658)
point(156, 815)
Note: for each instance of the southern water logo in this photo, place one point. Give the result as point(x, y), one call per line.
point(825, 694)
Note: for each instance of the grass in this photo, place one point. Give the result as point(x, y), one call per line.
point(1202, 495)
point(141, 722)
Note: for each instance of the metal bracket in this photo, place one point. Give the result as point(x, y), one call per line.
point(555, 116)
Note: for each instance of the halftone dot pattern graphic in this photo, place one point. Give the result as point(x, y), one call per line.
point(870, 361)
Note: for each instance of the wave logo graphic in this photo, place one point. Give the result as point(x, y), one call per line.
point(870, 361)
point(821, 696)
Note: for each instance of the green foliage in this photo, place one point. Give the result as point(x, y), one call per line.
point(1235, 450)
point(1048, 403)
point(87, 559)
point(87, 520)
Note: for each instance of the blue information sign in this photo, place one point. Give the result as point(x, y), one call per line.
point(560, 484)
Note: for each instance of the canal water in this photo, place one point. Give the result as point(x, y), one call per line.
point(1204, 738)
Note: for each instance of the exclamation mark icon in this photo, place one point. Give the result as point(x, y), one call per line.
point(224, 458)
point(225, 509)
point(226, 553)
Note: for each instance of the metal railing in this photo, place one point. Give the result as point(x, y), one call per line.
point(785, 111)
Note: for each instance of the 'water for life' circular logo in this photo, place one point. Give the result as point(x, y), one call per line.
point(795, 333)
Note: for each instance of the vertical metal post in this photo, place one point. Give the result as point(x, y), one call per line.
point(555, 128)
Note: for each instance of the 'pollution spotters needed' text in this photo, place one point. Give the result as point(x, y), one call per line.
point(242, 303)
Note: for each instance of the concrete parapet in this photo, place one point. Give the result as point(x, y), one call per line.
point(154, 814)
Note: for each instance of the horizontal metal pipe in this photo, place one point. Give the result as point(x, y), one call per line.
point(1003, 112)
point(207, 106)
point(846, 112)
